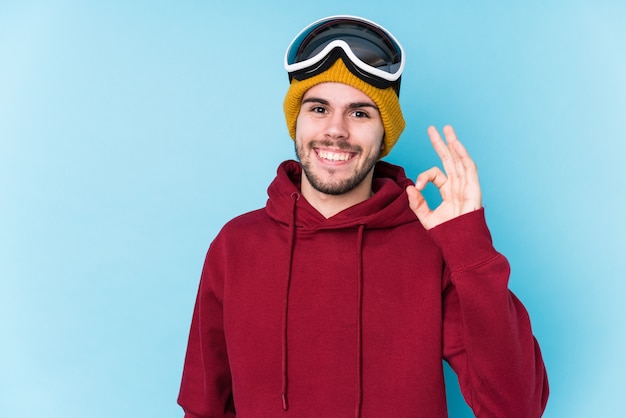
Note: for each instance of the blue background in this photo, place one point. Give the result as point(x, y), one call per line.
point(131, 131)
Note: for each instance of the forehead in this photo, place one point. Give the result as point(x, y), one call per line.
point(337, 93)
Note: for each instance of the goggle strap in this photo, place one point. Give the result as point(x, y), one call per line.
point(336, 44)
point(339, 53)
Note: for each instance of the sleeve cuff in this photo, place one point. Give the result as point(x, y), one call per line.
point(465, 241)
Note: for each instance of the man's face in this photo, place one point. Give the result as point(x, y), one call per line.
point(339, 137)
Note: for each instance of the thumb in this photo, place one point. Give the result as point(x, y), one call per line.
point(417, 203)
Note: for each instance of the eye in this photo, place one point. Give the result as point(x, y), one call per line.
point(360, 114)
point(317, 110)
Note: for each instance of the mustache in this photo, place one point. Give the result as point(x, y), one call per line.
point(342, 145)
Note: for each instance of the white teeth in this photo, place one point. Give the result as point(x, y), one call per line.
point(334, 156)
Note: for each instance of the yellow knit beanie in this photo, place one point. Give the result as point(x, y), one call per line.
point(386, 100)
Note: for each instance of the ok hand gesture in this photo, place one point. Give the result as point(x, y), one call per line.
point(459, 186)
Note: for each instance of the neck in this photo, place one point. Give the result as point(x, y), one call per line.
point(330, 205)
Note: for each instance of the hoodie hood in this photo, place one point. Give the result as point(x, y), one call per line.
point(386, 208)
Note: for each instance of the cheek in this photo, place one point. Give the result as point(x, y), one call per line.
point(381, 132)
point(374, 133)
point(376, 137)
point(381, 135)
point(302, 127)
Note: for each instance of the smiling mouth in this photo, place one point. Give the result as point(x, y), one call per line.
point(334, 155)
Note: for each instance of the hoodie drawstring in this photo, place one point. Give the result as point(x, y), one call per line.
point(290, 246)
point(359, 313)
point(359, 323)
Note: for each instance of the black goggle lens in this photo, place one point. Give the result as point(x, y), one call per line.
point(370, 45)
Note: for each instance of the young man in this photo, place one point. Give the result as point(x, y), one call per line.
point(343, 295)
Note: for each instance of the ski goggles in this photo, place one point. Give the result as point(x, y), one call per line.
point(369, 51)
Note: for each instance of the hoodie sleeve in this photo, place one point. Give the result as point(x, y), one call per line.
point(488, 339)
point(206, 390)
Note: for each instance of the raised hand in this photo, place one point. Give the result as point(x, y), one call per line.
point(459, 185)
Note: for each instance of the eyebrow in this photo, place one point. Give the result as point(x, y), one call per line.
point(362, 104)
point(325, 102)
point(315, 100)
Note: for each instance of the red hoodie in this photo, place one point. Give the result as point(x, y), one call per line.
point(302, 316)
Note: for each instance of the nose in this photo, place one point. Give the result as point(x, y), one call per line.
point(337, 127)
